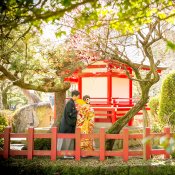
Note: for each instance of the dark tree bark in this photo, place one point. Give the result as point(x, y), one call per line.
point(59, 105)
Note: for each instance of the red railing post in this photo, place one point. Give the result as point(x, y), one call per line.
point(167, 132)
point(125, 144)
point(102, 144)
point(6, 142)
point(77, 143)
point(114, 103)
point(30, 141)
point(148, 144)
point(113, 116)
point(54, 143)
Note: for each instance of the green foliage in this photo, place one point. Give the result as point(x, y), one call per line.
point(133, 14)
point(156, 124)
point(15, 98)
point(42, 144)
point(167, 100)
point(154, 105)
point(156, 127)
point(171, 45)
point(173, 155)
point(3, 124)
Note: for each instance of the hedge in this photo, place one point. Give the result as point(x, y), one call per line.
point(44, 166)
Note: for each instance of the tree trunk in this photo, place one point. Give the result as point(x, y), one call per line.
point(4, 97)
point(146, 121)
point(119, 124)
point(59, 106)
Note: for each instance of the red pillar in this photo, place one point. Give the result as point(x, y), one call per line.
point(130, 88)
point(80, 86)
point(6, 142)
point(130, 123)
point(77, 145)
point(54, 117)
point(109, 87)
point(168, 134)
point(125, 144)
point(148, 144)
point(102, 144)
point(30, 143)
point(54, 143)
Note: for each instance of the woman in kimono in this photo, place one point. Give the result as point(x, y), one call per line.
point(85, 121)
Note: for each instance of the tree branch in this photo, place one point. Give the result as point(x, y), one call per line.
point(43, 88)
point(59, 12)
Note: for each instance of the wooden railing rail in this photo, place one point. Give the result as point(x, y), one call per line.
point(102, 153)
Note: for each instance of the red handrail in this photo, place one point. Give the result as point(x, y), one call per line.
point(101, 152)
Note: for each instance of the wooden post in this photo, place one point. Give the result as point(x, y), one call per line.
point(109, 88)
point(130, 88)
point(167, 132)
point(102, 144)
point(54, 144)
point(148, 144)
point(77, 143)
point(30, 143)
point(125, 144)
point(6, 142)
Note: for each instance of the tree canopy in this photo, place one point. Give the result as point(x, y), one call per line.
point(21, 52)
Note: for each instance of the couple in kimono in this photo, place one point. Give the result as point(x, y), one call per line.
point(77, 114)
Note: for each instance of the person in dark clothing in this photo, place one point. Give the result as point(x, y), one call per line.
point(68, 122)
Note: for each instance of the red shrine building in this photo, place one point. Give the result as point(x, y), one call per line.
point(109, 87)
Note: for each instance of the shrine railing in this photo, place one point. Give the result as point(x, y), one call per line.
point(101, 152)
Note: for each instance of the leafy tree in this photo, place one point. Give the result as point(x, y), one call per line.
point(21, 21)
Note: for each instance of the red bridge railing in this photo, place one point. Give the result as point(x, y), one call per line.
point(102, 153)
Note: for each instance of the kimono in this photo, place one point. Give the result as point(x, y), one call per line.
point(85, 121)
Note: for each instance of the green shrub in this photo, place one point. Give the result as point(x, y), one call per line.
point(154, 105)
point(156, 127)
point(43, 166)
point(42, 144)
point(167, 100)
point(3, 124)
